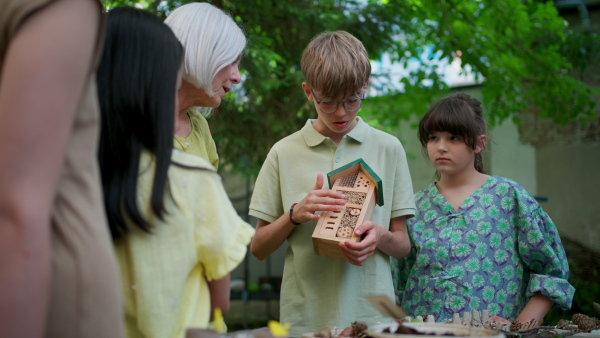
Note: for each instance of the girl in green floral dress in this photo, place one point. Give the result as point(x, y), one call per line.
point(479, 242)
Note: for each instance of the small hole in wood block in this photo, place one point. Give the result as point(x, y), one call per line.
point(348, 180)
point(328, 228)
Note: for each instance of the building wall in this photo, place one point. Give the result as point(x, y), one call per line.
point(566, 158)
point(568, 175)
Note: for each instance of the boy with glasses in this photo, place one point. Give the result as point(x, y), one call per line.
point(320, 291)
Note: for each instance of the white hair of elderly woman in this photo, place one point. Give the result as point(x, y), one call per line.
point(211, 40)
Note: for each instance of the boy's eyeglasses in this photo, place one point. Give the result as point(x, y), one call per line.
point(329, 107)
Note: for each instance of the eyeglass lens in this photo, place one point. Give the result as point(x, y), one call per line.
point(351, 105)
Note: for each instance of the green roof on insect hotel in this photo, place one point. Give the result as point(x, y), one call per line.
point(353, 166)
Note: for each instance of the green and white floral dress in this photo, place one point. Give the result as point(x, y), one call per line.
point(495, 252)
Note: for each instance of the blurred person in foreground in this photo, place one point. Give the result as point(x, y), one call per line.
point(58, 274)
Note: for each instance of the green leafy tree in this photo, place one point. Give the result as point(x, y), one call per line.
point(521, 50)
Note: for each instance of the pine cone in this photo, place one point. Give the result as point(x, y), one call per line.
point(515, 326)
point(359, 329)
point(584, 322)
point(563, 325)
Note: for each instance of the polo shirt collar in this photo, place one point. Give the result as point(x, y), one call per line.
point(312, 137)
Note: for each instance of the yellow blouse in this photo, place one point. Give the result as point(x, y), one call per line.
point(165, 274)
point(200, 141)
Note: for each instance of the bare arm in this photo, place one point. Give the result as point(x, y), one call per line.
point(220, 292)
point(270, 236)
point(44, 73)
point(537, 308)
point(393, 242)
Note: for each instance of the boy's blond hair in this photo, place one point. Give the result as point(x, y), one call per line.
point(336, 65)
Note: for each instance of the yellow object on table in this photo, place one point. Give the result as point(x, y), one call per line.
point(277, 329)
point(218, 321)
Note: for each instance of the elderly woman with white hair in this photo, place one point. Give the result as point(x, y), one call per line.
point(213, 45)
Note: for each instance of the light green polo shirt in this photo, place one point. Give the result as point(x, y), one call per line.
point(320, 291)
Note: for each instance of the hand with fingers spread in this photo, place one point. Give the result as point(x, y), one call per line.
point(318, 199)
point(270, 235)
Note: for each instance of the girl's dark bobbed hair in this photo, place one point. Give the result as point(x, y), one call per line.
point(460, 115)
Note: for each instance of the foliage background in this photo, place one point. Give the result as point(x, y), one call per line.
point(522, 51)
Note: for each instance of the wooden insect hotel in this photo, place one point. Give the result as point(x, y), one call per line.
point(363, 189)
